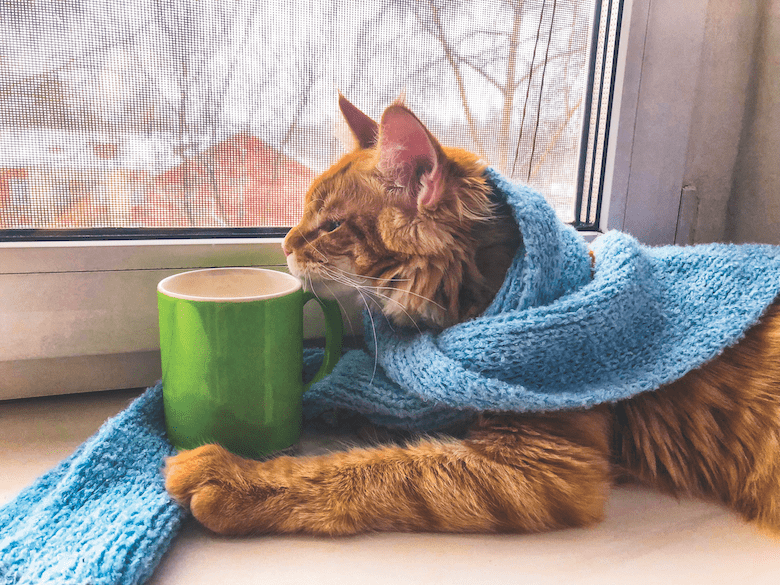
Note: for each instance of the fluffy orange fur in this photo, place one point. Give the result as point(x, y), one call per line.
point(419, 233)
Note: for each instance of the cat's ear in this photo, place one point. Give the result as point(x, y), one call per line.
point(411, 156)
point(363, 128)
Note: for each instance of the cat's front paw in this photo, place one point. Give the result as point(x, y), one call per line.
point(224, 492)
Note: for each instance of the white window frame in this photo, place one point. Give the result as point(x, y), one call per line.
point(82, 316)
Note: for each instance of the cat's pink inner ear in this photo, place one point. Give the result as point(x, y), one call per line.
point(363, 128)
point(408, 154)
point(432, 188)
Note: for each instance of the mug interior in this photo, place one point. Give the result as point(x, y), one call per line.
point(229, 284)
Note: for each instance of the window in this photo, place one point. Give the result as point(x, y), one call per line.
point(20, 193)
point(213, 117)
point(80, 314)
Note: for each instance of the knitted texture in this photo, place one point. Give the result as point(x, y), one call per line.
point(102, 516)
point(557, 336)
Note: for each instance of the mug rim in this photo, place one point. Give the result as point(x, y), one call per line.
point(294, 285)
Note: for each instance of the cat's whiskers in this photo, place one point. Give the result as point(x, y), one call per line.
point(374, 292)
point(373, 331)
point(384, 278)
point(335, 297)
point(371, 292)
point(313, 290)
point(400, 306)
point(376, 342)
point(366, 293)
point(414, 294)
point(335, 276)
point(348, 281)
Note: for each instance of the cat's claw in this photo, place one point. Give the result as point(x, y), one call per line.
point(215, 484)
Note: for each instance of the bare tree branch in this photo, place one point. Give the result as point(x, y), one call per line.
point(5, 89)
point(506, 116)
point(552, 143)
point(440, 36)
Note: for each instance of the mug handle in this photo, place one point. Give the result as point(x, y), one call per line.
point(334, 333)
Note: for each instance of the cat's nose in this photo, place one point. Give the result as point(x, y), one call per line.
point(286, 251)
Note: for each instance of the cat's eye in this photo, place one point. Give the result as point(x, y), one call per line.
point(331, 225)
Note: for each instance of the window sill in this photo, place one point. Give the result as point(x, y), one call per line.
point(82, 316)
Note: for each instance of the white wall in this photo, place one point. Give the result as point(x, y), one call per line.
point(754, 208)
point(732, 158)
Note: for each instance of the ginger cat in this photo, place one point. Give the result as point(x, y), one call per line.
point(411, 220)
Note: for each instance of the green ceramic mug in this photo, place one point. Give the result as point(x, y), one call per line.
point(231, 341)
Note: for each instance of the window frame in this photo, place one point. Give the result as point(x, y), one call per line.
point(80, 316)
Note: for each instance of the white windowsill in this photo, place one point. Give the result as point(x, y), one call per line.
point(118, 255)
point(82, 316)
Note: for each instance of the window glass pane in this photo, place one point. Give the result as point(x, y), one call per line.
point(215, 113)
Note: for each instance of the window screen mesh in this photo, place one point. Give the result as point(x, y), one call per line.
point(208, 113)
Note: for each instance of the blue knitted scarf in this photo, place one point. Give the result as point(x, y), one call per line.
point(102, 516)
point(560, 333)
